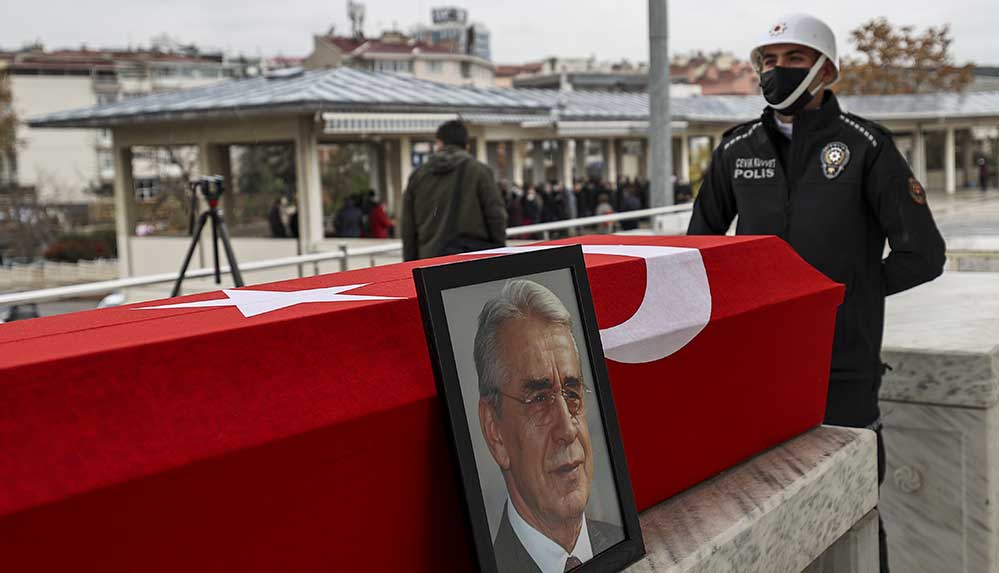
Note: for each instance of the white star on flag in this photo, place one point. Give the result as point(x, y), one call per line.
point(254, 302)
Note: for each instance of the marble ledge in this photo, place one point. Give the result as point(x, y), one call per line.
point(974, 243)
point(943, 378)
point(942, 341)
point(776, 512)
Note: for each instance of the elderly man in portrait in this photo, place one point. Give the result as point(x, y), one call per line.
point(532, 412)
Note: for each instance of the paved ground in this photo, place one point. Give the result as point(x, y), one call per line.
point(966, 213)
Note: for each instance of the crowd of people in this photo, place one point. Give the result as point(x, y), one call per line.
point(554, 201)
point(363, 215)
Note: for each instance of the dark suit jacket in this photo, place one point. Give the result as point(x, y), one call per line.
point(512, 557)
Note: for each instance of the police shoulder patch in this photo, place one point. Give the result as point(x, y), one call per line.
point(916, 191)
point(834, 158)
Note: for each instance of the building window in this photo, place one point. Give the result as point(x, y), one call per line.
point(393, 66)
point(466, 70)
point(105, 165)
point(435, 68)
point(146, 191)
point(105, 160)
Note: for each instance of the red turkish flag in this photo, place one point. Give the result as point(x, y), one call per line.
point(292, 427)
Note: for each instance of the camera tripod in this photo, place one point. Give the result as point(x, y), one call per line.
point(212, 188)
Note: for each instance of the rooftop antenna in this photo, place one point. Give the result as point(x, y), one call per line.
point(355, 11)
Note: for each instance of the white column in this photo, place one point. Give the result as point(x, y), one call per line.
point(995, 150)
point(310, 192)
point(919, 154)
point(643, 158)
point(538, 162)
point(968, 159)
point(684, 158)
point(405, 160)
point(568, 147)
point(619, 156)
point(648, 160)
point(611, 148)
point(481, 152)
point(375, 167)
point(124, 207)
point(580, 147)
point(392, 185)
point(518, 152)
point(949, 162)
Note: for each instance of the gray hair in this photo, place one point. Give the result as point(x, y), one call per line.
point(519, 299)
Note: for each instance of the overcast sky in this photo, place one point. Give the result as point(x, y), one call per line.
point(522, 30)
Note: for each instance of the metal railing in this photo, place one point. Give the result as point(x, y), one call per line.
point(343, 254)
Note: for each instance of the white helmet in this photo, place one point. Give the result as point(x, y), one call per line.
point(800, 29)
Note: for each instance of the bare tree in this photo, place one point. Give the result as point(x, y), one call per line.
point(902, 60)
point(26, 226)
point(8, 130)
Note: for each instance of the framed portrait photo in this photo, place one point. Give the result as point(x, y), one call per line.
point(517, 359)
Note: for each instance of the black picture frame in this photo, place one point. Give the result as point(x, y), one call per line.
point(431, 284)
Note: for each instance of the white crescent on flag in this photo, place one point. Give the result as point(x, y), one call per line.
point(675, 308)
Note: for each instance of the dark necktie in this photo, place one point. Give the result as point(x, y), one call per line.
point(572, 563)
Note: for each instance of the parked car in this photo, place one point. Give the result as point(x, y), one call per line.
point(117, 298)
point(19, 312)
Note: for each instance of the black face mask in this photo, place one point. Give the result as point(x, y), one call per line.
point(779, 83)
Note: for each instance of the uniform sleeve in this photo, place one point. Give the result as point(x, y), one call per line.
point(715, 205)
point(407, 225)
point(898, 200)
point(493, 207)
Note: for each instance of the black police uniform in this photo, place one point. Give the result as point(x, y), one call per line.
point(834, 191)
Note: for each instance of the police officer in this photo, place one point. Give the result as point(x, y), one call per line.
point(834, 187)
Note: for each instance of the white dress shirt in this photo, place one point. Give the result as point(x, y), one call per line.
point(785, 128)
point(549, 556)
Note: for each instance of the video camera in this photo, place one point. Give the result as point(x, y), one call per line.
point(211, 187)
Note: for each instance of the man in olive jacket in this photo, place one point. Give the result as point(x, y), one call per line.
point(480, 219)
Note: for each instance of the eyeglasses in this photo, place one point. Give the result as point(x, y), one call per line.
point(541, 403)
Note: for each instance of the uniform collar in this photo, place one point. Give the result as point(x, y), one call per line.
point(810, 120)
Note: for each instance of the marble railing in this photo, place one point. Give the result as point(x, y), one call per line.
point(939, 407)
point(800, 506)
point(976, 254)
